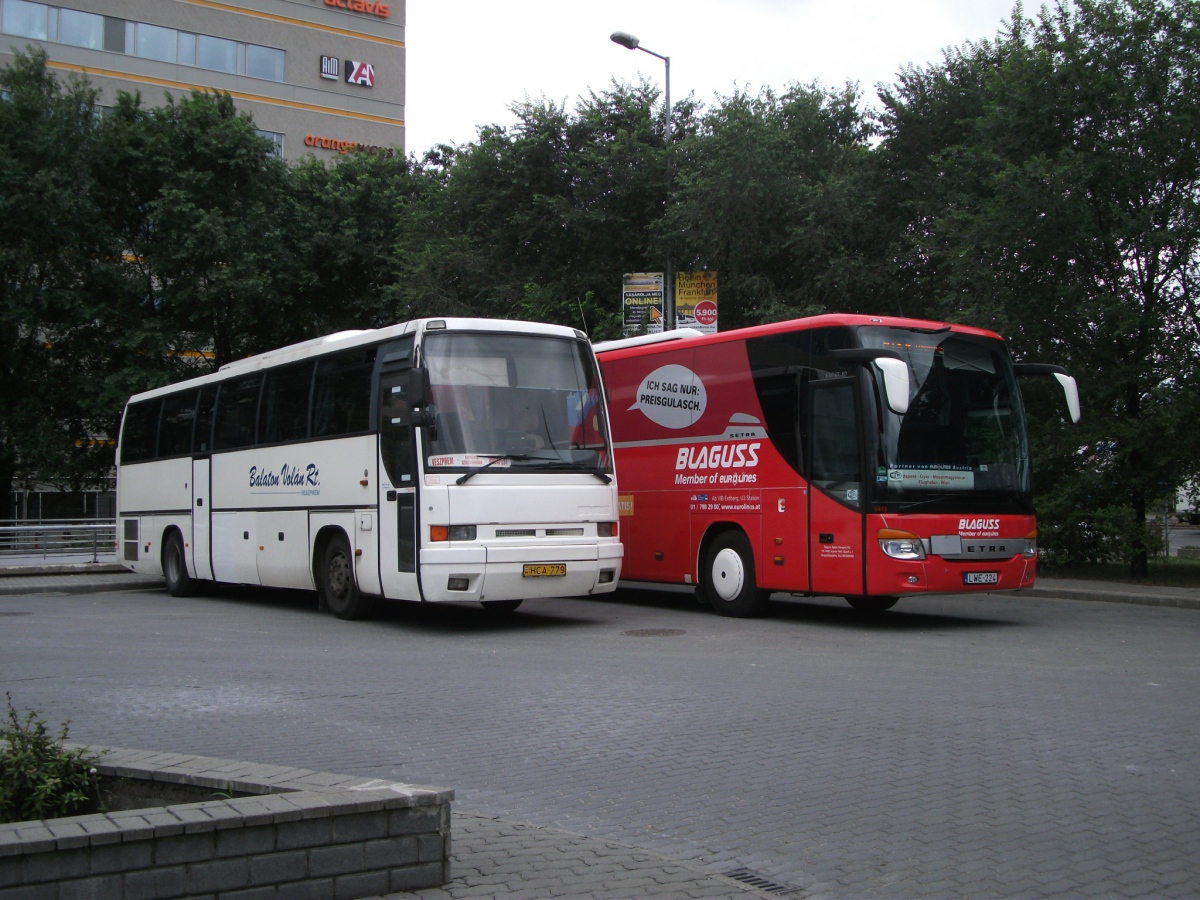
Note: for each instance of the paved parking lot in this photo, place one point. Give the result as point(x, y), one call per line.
point(1001, 746)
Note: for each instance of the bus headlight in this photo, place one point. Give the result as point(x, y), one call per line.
point(1030, 551)
point(451, 532)
point(901, 544)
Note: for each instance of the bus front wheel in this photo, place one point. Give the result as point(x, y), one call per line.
point(338, 583)
point(179, 582)
point(728, 577)
point(872, 605)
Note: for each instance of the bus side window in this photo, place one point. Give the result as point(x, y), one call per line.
point(237, 408)
point(342, 393)
point(175, 429)
point(284, 412)
point(202, 433)
point(835, 453)
point(396, 431)
point(139, 436)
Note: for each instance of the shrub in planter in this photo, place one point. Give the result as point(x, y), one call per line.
point(39, 778)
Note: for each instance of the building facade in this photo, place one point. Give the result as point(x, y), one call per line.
point(320, 77)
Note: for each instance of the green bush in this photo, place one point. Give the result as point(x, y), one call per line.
point(39, 778)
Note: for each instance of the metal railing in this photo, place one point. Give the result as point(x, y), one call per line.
point(57, 539)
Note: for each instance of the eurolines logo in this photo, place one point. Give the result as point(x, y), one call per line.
point(716, 457)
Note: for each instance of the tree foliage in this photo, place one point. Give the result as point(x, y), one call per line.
point(1048, 183)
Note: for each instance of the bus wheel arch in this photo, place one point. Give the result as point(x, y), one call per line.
point(174, 564)
point(335, 576)
point(728, 579)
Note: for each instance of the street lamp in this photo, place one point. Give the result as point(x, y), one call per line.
point(629, 42)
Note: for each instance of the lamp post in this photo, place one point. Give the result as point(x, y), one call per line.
point(629, 42)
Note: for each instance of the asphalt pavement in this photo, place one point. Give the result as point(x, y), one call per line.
point(1014, 744)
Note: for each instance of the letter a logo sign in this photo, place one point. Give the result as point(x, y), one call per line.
point(360, 73)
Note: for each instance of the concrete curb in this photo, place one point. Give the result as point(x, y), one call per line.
point(82, 583)
point(105, 568)
point(1107, 595)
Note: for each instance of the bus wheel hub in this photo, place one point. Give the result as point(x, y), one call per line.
point(727, 574)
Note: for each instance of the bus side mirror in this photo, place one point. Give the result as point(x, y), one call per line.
point(1070, 388)
point(893, 368)
point(895, 383)
point(418, 396)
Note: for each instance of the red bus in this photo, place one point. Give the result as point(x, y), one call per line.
point(865, 457)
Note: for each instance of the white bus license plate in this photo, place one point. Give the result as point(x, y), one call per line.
point(543, 570)
point(981, 578)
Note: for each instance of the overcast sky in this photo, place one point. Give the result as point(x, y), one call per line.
point(469, 60)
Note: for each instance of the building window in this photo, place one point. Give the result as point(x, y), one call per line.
point(39, 22)
point(274, 136)
point(187, 48)
point(114, 35)
point(155, 42)
point(217, 54)
point(80, 29)
point(264, 62)
point(25, 19)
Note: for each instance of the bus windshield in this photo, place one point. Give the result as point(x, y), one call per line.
point(515, 402)
point(963, 436)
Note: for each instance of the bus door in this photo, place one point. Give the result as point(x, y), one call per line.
point(836, 493)
point(200, 554)
point(398, 544)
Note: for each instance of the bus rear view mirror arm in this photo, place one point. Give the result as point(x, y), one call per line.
point(1070, 388)
point(893, 368)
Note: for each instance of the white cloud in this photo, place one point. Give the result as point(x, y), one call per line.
point(469, 60)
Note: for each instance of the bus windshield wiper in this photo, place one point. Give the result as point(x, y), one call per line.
point(906, 507)
point(487, 465)
point(555, 463)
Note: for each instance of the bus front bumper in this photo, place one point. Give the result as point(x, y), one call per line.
point(481, 572)
point(935, 575)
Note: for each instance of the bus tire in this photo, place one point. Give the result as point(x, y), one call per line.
point(500, 606)
point(174, 563)
point(338, 584)
point(872, 605)
point(728, 577)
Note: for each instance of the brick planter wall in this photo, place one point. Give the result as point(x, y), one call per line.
point(302, 834)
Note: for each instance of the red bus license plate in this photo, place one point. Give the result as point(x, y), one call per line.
point(543, 570)
point(981, 577)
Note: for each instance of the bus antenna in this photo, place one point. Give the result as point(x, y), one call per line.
point(579, 303)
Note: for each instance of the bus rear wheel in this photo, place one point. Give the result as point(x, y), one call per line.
point(338, 583)
point(500, 606)
point(179, 582)
point(728, 577)
point(872, 605)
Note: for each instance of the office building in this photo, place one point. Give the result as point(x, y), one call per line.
point(318, 76)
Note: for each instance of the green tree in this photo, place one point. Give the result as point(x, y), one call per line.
point(542, 220)
point(207, 206)
point(53, 250)
point(772, 192)
point(1049, 185)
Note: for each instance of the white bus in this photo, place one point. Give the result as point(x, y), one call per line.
point(434, 460)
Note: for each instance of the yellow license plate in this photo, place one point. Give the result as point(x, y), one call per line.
point(543, 570)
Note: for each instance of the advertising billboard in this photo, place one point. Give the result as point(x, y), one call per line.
point(696, 301)
point(642, 303)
